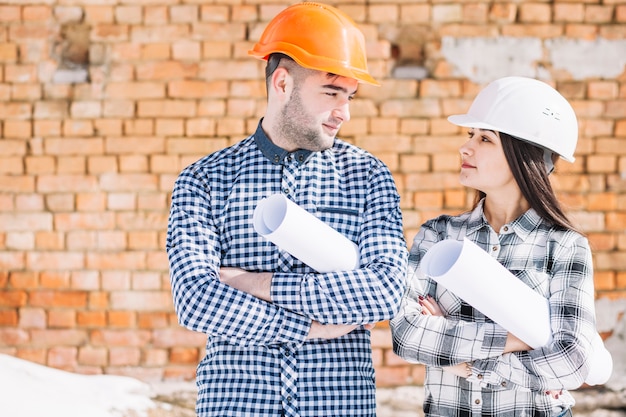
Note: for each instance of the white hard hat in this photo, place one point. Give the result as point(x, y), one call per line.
point(527, 109)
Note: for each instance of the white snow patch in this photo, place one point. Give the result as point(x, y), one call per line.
point(31, 390)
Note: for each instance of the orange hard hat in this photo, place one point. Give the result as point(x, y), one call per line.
point(319, 37)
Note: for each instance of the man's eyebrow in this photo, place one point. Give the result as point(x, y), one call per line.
point(338, 88)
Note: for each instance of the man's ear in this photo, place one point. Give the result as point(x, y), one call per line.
point(281, 83)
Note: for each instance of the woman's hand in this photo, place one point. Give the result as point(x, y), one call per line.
point(431, 308)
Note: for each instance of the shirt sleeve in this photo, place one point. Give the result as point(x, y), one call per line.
point(436, 340)
point(563, 363)
point(201, 301)
point(369, 294)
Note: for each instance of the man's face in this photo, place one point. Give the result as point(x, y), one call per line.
point(315, 111)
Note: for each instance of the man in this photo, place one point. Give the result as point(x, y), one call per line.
point(283, 339)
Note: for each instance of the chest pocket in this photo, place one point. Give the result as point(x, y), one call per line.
point(537, 280)
point(345, 220)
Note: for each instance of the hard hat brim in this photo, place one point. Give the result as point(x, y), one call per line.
point(466, 120)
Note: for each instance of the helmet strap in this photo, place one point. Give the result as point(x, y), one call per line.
point(547, 159)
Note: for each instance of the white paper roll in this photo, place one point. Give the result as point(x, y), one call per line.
point(304, 236)
point(481, 281)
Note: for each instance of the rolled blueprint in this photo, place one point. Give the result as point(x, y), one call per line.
point(481, 281)
point(304, 236)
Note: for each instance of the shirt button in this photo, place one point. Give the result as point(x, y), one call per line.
point(289, 398)
point(506, 228)
point(503, 383)
point(287, 353)
point(480, 376)
point(477, 401)
point(285, 190)
point(495, 248)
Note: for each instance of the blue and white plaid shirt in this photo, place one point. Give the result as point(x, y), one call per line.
point(257, 361)
point(554, 262)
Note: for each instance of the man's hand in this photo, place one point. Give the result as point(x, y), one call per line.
point(257, 284)
point(329, 331)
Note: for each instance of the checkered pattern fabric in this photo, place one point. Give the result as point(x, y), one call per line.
point(554, 262)
point(257, 361)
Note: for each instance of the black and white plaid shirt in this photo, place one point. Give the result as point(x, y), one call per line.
point(257, 361)
point(554, 262)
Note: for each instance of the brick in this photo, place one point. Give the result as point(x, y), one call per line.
point(426, 199)
point(535, 30)
point(156, 52)
point(141, 300)
point(166, 108)
point(11, 165)
point(164, 34)
point(598, 13)
point(133, 163)
point(65, 183)
point(168, 338)
point(120, 338)
point(601, 163)
point(411, 108)
point(183, 355)
point(91, 319)
point(13, 336)
point(69, 165)
point(101, 164)
point(25, 92)
point(186, 50)
point(35, 355)
point(62, 357)
point(13, 298)
point(121, 319)
point(124, 356)
point(387, 376)
point(155, 357)
point(10, 13)
point(60, 202)
point(89, 355)
point(36, 13)
point(106, 32)
point(152, 320)
point(154, 201)
point(51, 109)
point(8, 318)
point(78, 128)
point(60, 337)
point(197, 89)
point(128, 182)
point(49, 241)
point(219, 70)
point(32, 318)
point(216, 50)
point(137, 90)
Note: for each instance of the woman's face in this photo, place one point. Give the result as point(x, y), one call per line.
point(316, 110)
point(483, 164)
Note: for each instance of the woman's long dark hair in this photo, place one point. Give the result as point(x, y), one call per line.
point(529, 170)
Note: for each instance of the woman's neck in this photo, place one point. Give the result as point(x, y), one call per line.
point(500, 211)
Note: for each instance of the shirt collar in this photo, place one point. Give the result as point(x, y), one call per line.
point(274, 153)
point(522, 226)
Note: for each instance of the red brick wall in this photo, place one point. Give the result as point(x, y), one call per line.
point(86, 168)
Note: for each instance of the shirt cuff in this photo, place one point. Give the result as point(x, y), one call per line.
point(494, 340)
point(285, 291)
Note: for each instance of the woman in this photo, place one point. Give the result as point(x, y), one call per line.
point(517, 129)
